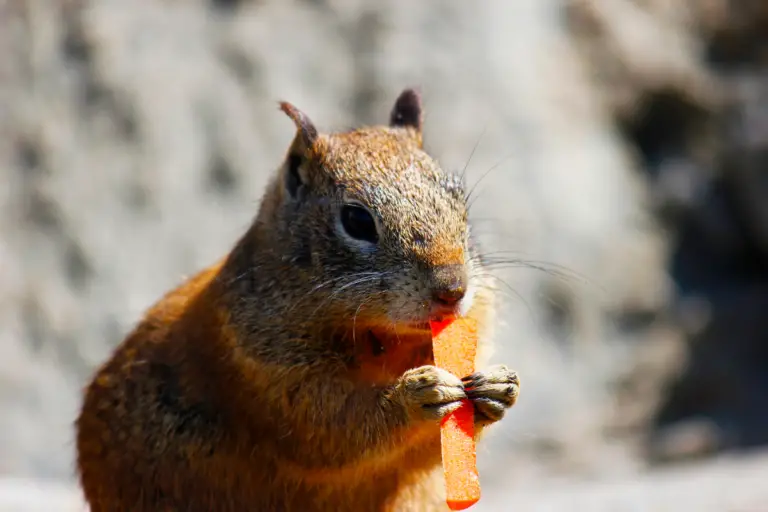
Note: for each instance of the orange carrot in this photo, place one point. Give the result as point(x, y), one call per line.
point(454, 343)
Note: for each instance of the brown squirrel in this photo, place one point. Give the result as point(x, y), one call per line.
point(296, 374)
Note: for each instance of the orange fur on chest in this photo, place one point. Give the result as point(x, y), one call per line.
point(381, 355)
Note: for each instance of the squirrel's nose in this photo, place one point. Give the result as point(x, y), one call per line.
point(449, 285)
point(448, 296)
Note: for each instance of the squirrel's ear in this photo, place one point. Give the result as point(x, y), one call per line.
point(306, 135)
point(306, 132)
point(407, 112)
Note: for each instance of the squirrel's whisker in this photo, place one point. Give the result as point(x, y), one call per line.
point(336, 292)
point(472, 153)
point(509, 289)
point(315, 289)
point(470, 199)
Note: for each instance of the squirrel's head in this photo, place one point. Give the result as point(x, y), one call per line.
point(380, 230)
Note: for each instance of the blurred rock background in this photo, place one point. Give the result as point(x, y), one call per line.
point(618, 149)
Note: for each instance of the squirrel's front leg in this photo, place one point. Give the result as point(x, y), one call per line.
point(493, 392)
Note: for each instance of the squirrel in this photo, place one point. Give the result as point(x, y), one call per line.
point(296, 374)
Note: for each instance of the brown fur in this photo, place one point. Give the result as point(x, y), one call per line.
point(294, 375)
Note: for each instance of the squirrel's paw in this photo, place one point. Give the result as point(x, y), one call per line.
point(492, 391)
point(430, 393)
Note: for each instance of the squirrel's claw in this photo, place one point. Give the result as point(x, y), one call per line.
point(492, 392)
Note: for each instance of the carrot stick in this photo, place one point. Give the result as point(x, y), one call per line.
point(454, 344)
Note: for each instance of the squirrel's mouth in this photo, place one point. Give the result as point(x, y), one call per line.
point(412, 326)
point(404, 333)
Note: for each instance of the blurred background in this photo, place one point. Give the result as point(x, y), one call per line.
point(619, 149)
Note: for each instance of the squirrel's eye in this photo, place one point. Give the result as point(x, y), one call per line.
point(358, 223)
